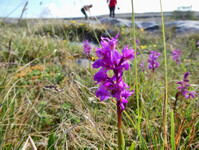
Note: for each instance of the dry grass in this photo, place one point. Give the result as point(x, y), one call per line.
point(46, 95)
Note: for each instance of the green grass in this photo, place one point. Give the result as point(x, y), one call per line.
point(33, 56)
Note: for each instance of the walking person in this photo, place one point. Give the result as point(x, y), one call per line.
point(111, 5)
point(86, 8)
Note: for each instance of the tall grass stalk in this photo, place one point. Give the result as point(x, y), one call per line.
point(151, 132)
point(130, 119)
point(135, 61)
point(165, 63)
point(94, 33)
point(172, 131)
point(102, 27)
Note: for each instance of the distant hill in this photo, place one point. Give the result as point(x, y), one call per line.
point(148, 16)
point(152, 16)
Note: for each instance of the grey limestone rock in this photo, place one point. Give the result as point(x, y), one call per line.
point(184, 26)
point(181, 26)
point(146, 25)
point(83, 62)
point(116, 21)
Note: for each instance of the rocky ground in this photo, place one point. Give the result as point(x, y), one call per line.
point(148, 21)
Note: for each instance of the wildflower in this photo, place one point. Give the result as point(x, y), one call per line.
point(87, 48)
point(71, 57)
point(154, 45)
point(137, 41)
point(143, 47)
point(152, 60)
point(66, 26)
point(142, 29)
point(183, 88)
point(74, 22)
point(176, 56)
point(110, 59)
point(197, 44)
point(142, 66)
point(81, 24)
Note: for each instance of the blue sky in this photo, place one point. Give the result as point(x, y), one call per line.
point(71, 8)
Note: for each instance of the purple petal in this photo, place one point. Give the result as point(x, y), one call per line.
point(192, 94)
point(126, 93)
point(187, 96)
point(128, 54)
point(87, 47)
point(117, 35)
point(124, 101)
point(103, 93)
point(158, 54)
point(99, 53)
point(100, 75)
point(97, 63)
point(179, 82)
point(122, 106)
point(157, 64)
point(115, 57)
point(124, 65)
point(137, 41)
point(186, 75)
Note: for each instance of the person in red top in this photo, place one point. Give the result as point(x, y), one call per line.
point(112, 4)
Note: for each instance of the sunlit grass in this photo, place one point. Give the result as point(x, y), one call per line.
point(34, 57)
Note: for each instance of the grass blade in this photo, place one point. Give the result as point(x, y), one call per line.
point(151, 132)
point(165, 63)
point(172, 131)
point(135, 61)
point(132, 147)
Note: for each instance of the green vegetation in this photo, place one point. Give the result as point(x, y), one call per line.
point(184, 13)
point(38, 61)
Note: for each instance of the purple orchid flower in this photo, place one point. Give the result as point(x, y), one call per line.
point(176, 56)
point(87, 48)
point(142, 66)
point(197, 44)
point(183, 88)
point(109, 59)
point(137, 41)
point(152, 60)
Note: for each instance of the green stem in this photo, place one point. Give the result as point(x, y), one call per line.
point(135, 61)
point(89, 61)
point(94, 32)
point(172, 131)
point(165, 61)
point(120, 135)
point(130, 119)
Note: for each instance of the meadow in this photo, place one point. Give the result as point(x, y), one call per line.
point(46, 95)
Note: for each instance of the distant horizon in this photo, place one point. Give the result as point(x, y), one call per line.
point(82, 17)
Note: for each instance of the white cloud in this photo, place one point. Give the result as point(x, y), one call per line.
point(72, 8)
point(50, 11)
